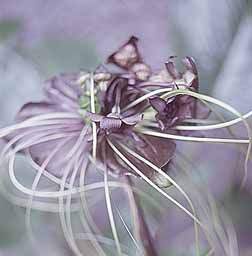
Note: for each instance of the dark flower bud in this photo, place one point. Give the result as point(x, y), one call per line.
point(127, 55)
point(142, 71)
point(171, 68)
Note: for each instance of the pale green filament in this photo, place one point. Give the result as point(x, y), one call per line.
point(92, 102)
point(110, 213)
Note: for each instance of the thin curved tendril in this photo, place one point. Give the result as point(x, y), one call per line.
point(85, 212)
point(49, 194)
point(145, 97)
point(21, 188)
point(94, 149)
point(69, 237)
point(39, 206)
point(226, 107)
point(85, 204)
point(24, 134)
point(127, 229)
point(92, 104)
point(68, 199)
point(36, 182)
point(44, 119)
point(231, 236)
point(77, 164)
point(110, 213)
point(74, 174)
point(94, 136)
point(189, 138)
point(203, 127)
point(135, 213)
point(46, 173)
point(213, 212)
point(213, 126)
point(215, 140)
point(223, 124)
point(151, 183)
point(12, 156)
point(154, 167)
point(217, 225)
point(212, 100)
point(53, 207)
point(204, 209)
point(46, 137)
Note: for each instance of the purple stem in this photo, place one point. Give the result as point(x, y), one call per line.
point(144, 233)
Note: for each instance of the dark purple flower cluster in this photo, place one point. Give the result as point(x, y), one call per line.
point(120, 106)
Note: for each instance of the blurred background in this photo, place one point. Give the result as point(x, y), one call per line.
point(42, 38)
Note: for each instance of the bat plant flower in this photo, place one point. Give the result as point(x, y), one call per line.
point(124, 125)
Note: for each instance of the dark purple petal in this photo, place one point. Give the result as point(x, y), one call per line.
point(158, 104)
point(63, 94)
point(115, 89)
point(189, 62)
point(156, 150)
point(185, 112)
point(40, 153)
point(117, 84)
point(114, 164)
point(170, 66)
point(202, 111)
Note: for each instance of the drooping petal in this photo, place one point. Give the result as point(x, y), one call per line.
point(56, 167)
point(189, 62)
point(185, 111)
point(115, 166)
point(202, 111)
point(115, 88)
point(117, 83)
point(190, 65)
point(172, 70)
point(156, 150)
point(189, 78)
